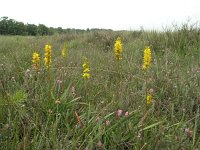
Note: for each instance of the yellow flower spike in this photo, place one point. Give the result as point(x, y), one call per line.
point(36, 60)
point(86, 75)
point(47, 47)
point(64, 51)
point(149, 99)
point(147, 58)
point(47, 58)
point(86, 69)
point(118, 49)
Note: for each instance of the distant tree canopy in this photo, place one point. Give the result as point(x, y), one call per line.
point(13, 27)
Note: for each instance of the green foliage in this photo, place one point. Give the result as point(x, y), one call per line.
point(42, 30)
point(13, 27)
point(19, 96)
point(31, 29)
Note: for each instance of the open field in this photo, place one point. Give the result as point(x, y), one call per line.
point(55, 108)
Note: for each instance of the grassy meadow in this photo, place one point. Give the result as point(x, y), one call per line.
point(56, 108)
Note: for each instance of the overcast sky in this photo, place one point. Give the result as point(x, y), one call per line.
point(110, 14)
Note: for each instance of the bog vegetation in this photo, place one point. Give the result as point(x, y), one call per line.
point(101, 90)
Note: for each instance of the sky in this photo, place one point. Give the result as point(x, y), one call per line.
point(106, 14)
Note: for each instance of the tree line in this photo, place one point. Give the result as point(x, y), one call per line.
point(13, 27)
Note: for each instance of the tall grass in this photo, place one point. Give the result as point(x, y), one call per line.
point(74, 116)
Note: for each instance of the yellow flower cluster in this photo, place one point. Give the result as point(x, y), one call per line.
point(118, 49)
point(149, 99)
point(47, 56)
point(86, 69)
point(36, 60)
point(147, 58)
point(64, 51)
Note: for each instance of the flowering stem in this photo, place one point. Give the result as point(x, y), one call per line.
point(146, 90)
point(47, 61)
point(49, 80)
point(86, 75)
point(118, 56)
point(118, 84)
point(86, 94)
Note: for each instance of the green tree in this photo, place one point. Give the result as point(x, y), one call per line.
point(31, 29)
point(19, 28)
point(3, 25)
point(42, 30)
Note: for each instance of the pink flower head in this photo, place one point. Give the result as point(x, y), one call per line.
point(59, 81)
point(86, 148)
point(127, 114)
point(99, 144)
point(188, 132)
point(107, 122)
point(119, 113)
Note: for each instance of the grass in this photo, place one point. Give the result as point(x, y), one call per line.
point(39, 113)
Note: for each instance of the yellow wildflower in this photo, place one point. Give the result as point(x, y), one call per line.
point(86, 69)
point(47, 56)
point(86, 75)
point(118, 49)
point(64, 51)
point(147, 58)
point(149, 99)
point(36, 60)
